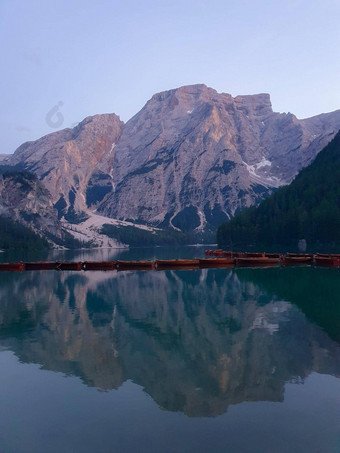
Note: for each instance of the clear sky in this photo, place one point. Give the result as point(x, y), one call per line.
point(88, 57)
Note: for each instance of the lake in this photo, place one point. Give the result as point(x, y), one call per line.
point(237, 360)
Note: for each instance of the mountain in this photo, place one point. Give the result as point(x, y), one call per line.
point(189, 160)
point(309, 209)
point(193, 156)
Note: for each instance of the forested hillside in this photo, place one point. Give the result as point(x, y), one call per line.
point(309, 208)
point(14, 235)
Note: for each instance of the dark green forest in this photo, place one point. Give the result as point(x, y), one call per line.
point(16, 236)
point(137, 237)
point(309, 208)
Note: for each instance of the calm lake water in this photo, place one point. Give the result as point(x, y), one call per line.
point(212, 360)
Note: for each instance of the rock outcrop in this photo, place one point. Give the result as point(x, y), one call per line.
point(24, 198)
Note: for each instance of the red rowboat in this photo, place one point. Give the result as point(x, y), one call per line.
point(217, 262)
point(40, 265)
point(167, 264)
point(134, 265)
point(292, 259)
point(99, 265)
point(327, 260)
point(238, 255)
point(254, 255)
point(257, 261)
point(69, 266)
point(13, 267)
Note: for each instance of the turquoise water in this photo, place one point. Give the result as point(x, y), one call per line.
point(241, 360)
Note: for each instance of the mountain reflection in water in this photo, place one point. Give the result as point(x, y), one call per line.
point(196, 341)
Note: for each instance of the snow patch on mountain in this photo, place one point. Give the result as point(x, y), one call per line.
point(262, 178)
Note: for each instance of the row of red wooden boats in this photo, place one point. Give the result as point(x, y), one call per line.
point(319, 259)
point(98, 265)
point(218, 258)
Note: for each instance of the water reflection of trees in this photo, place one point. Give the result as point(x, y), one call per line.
point(197, 341)
point(313, 290)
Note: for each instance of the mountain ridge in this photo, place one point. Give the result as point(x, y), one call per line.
point(188, 160)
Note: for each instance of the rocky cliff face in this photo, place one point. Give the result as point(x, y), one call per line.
point(193, 157)
point(24, 198)
point(189, 159)
point(65, 160)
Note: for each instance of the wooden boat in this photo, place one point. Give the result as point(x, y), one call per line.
point(69, 266)
point(327, 260)
point(99, 265)
point(168, 264)
point(218, 252)
point(299, 255)
point(217, 262)
point(257, 261)
point(238, 255)
point(12, 267)
point(131, 265)
point(293, 259)
point(273, 255)
point(40, 265)
point(254, 255)
point(333, 255)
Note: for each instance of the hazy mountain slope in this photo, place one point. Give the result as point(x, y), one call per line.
point(309, 208)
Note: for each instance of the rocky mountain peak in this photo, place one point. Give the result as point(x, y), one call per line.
point(196, 156)
point(189, 159)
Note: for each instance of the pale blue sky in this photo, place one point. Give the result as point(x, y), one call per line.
point(112, 56)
